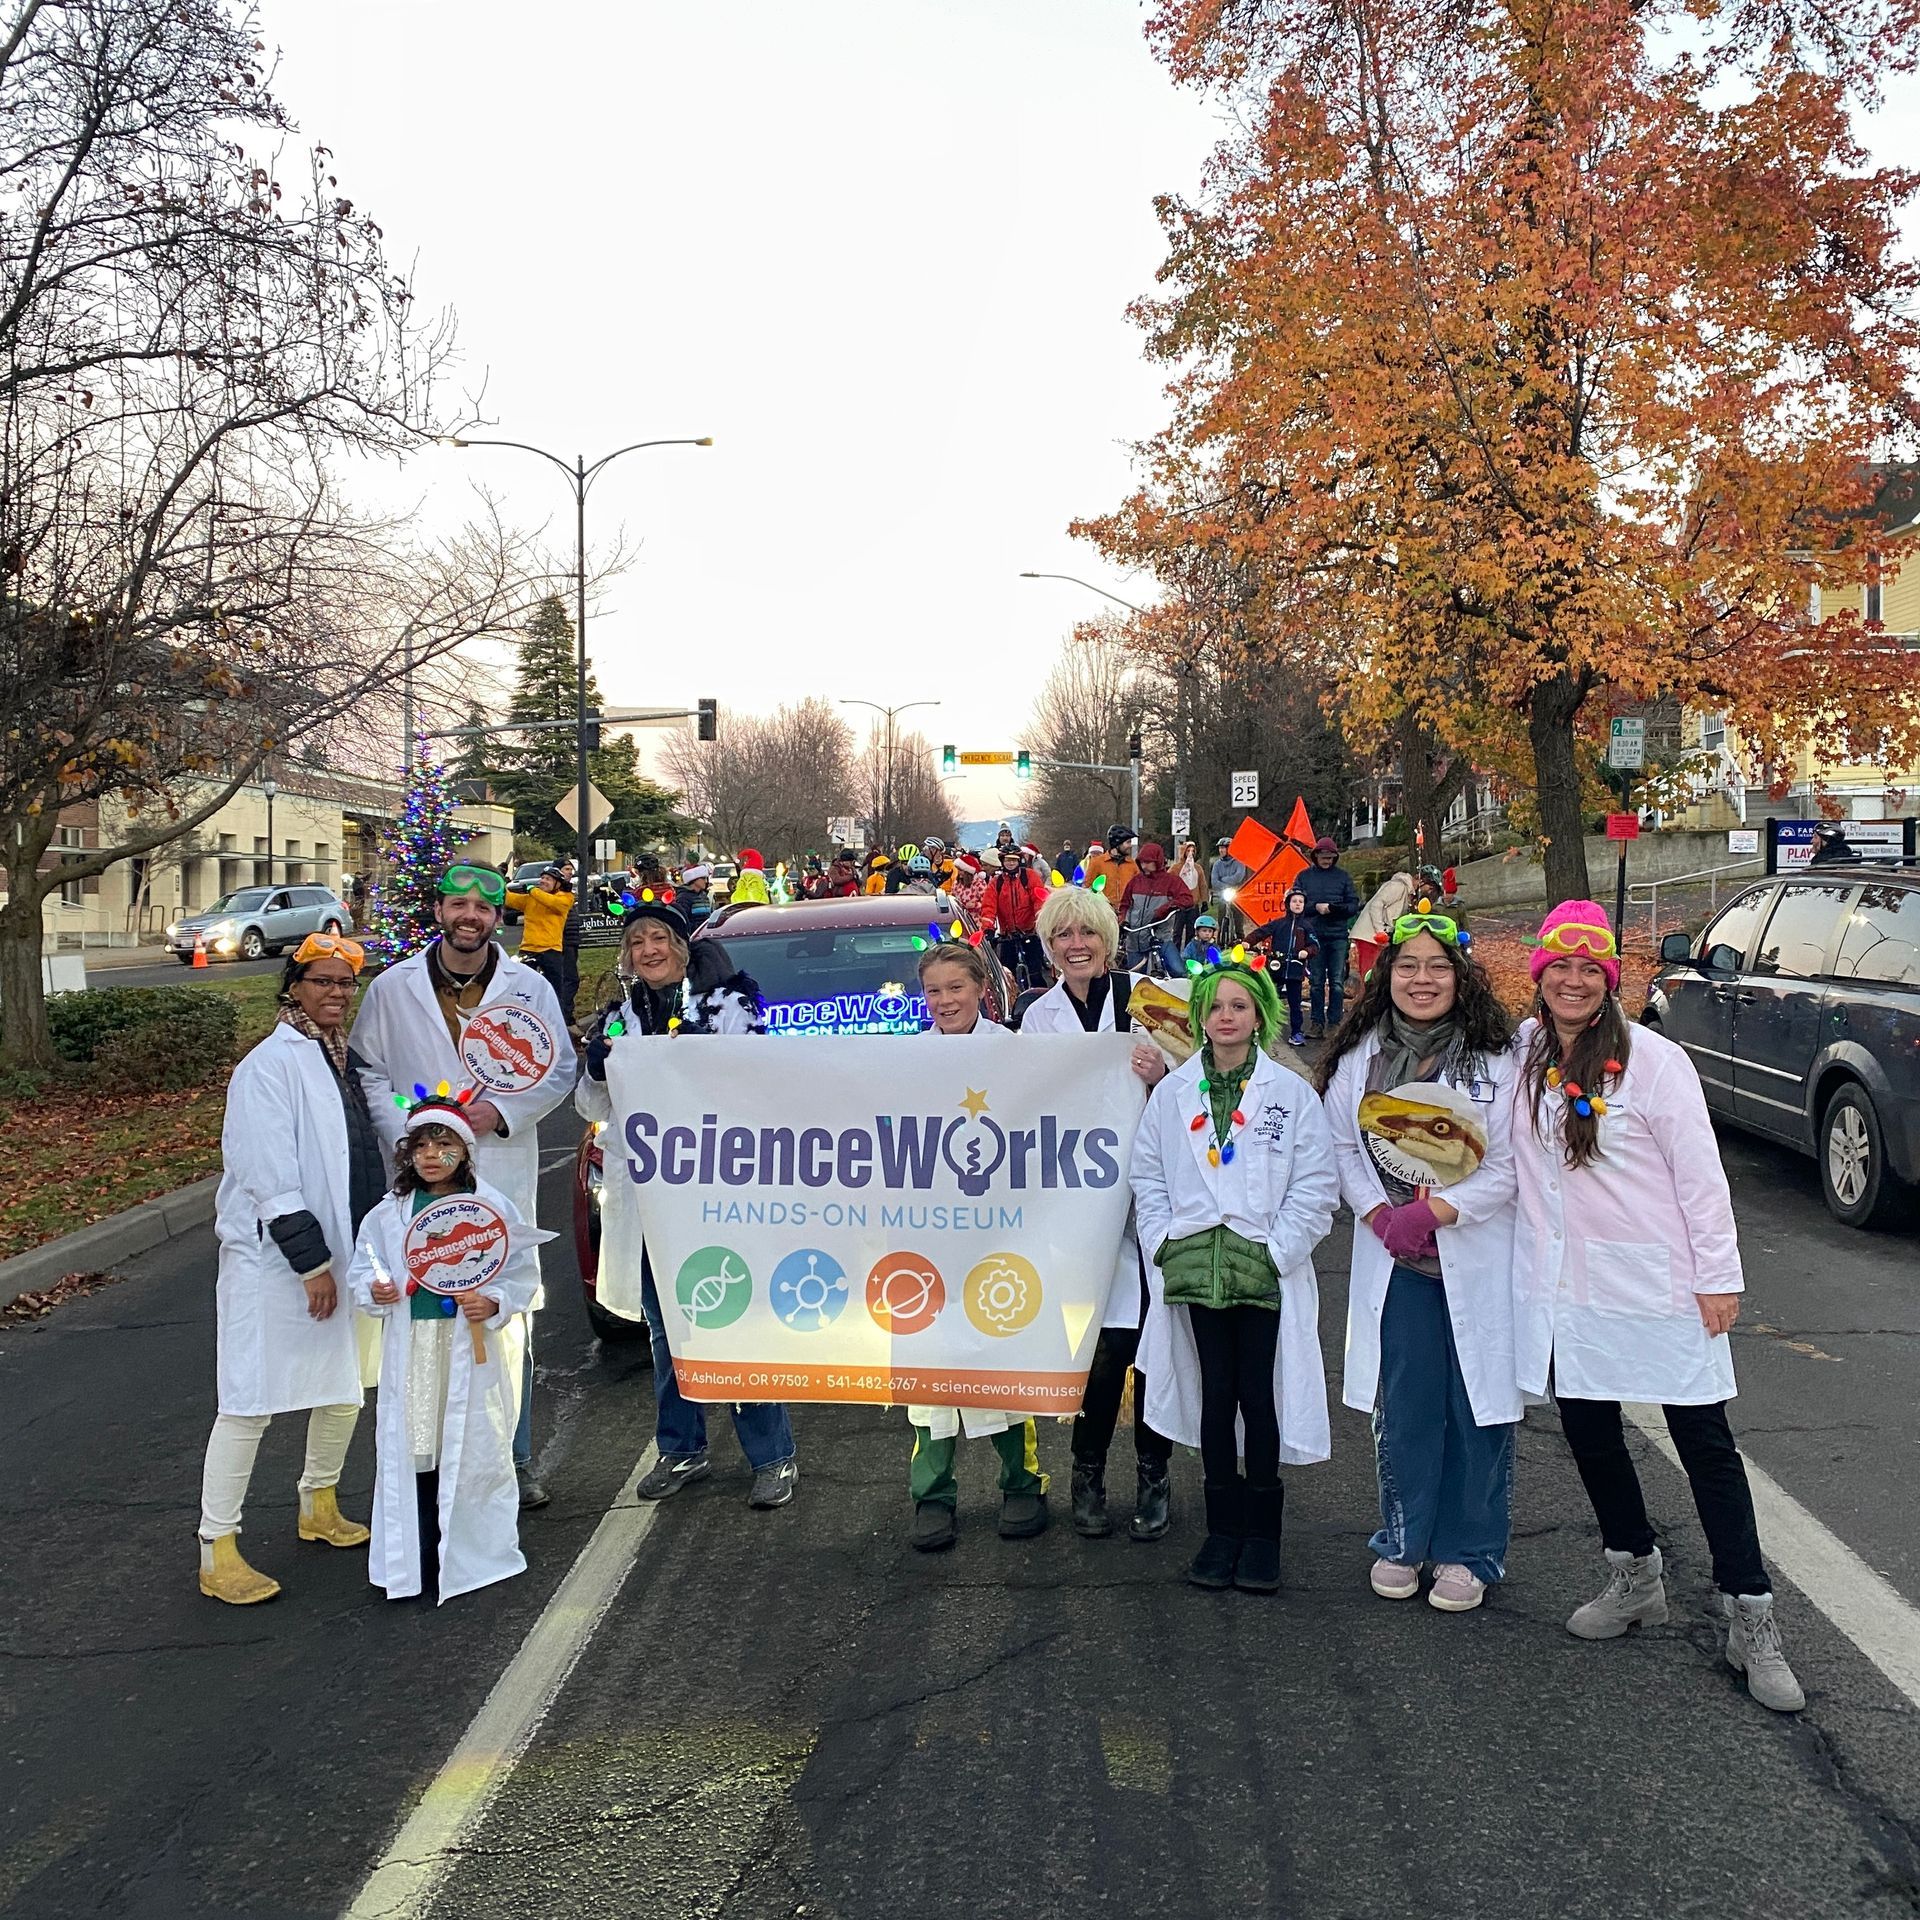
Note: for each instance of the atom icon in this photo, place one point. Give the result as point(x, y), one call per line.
point(905, 1293)
point(713, 1287)
point(1003, 1294)
point(808, 1291)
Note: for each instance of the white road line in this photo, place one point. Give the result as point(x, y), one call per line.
point(424, 1851)
point(1882, 1623)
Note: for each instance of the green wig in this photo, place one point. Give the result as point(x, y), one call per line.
point(1259, 985)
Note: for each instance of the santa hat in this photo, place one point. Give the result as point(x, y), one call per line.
point(699, 871)
point(1579, 927)
point(440, 1108)
point(750, 858)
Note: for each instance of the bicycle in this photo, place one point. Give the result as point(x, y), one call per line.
point(1146, 947)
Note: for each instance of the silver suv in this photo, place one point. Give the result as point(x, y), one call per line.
point(251, 922)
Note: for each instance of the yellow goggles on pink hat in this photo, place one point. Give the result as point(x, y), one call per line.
point(1580, 936)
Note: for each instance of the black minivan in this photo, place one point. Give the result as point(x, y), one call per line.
point(1800, 1008)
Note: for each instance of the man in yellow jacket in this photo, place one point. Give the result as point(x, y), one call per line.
point(544, 908)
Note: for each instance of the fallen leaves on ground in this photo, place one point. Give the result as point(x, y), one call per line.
point(73, 1286)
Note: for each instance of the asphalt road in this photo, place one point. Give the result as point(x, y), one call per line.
point(792, 1713)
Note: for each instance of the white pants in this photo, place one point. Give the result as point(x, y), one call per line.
point(235, 1441)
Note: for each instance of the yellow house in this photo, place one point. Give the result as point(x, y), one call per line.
point(1890, 600)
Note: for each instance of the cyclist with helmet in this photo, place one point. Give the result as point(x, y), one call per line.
point(1111, 869)
point(1009, 911)
point(920, 876)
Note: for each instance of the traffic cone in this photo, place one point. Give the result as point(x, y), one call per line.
point(199, 949)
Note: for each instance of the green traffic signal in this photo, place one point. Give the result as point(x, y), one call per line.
point(1023, 765)
point(949, 760)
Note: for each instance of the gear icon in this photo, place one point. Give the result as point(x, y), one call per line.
point(1003, 1294)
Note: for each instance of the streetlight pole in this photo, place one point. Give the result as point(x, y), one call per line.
point(269, 787)
point(882, 825)
point(1180, 699)
point(580, 477)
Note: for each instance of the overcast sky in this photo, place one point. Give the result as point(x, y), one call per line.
point(881, 250)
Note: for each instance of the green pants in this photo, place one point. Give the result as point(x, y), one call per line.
point(931, 1476)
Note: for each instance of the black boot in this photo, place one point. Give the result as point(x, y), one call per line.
point(1150, 1501)
point(1259, 1568)
point(1219, 1553)
point(1090, 1500)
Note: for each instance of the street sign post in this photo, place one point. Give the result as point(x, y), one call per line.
point(1246, 788)
point(1182, 822)
point(1627, 742)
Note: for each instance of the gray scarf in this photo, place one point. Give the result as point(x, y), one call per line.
point(1406, 1045)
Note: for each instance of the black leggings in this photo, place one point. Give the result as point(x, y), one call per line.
point(1236, 1376)
point(1106, 1378)
point(1715, 1471)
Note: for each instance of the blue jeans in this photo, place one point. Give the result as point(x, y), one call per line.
point(1327, 978)
point(1446, 1485)
point(1170, 959)
point(523, 1429)
point(680, 1426)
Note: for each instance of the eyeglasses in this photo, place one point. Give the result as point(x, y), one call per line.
point(327, 984)
point(481, 880)
point(1580, 936)
point(318, 946)
point(1446, 931)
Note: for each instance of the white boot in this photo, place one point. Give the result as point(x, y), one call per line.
point(1753, 1648)
point(1635, 1596)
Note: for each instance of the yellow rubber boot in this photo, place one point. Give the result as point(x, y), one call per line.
point(225, 1576)
point(321, 1519)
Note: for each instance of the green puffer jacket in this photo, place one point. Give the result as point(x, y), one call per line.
point(1218, 1268)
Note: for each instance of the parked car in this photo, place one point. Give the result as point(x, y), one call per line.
point(251, 922)
point(824, 966)
point(1799, 1005)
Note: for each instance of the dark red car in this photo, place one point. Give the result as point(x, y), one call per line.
point(824, 966)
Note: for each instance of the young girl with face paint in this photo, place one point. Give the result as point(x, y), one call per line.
point(446, 1503)
point(1234, 1186)
point(1627, 1279)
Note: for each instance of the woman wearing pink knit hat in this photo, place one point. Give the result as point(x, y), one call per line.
point(1626, 1281)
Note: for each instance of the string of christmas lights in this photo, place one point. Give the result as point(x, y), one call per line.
point(414, 853)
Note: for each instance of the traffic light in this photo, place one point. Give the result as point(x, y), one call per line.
point(949, 759)
point(592, 731)
point(1133, 746)
point(709, 720)
point(1023, 765)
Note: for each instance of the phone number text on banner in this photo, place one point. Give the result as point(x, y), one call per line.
point(874, 1219)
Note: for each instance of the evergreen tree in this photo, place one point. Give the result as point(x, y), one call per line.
point(418, 849)
point(475, 761)
point(541, 769)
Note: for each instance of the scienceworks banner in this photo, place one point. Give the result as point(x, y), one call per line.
point(881, 1219)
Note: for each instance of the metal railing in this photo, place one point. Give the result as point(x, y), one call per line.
point(1711, 875)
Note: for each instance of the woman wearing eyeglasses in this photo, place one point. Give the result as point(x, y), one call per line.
point(303, 1166)
point(1627, 1278)
point(1418, 1087)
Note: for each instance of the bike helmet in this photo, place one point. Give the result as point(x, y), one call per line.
point(919, 864)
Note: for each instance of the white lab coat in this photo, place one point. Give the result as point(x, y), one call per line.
point(479, 1493)
point(283, 1145)
point(1280, 1188)
point(1054, 1012)
point(1476, 1256)
point(1608, 1258)
point(403, 1039)
point(946, 1423)
point(617, 1284)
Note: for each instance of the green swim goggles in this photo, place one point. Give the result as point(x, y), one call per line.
point(481, 880)
point(1447, 931)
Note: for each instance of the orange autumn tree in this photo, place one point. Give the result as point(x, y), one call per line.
point(1534, 355)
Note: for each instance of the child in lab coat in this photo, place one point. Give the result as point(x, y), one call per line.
point(1234, 1185)
point(444, 1436)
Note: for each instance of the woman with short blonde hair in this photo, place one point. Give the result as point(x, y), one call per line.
point(1082, 936)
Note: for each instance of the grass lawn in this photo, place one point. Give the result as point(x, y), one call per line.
point(76, 1157)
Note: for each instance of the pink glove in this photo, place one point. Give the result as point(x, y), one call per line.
point(1409, 1230)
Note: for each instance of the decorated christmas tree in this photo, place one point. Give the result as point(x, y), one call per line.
point(420, 847)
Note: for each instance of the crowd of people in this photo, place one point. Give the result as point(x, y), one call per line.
point(1548, 1215)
